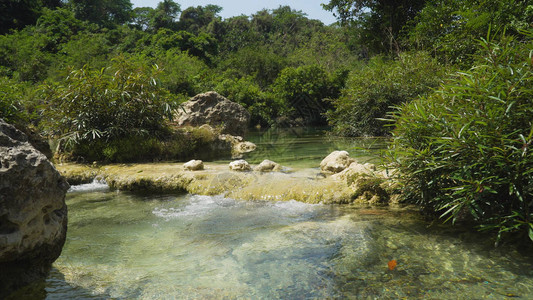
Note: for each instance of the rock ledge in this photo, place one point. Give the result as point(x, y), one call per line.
point(33, 213)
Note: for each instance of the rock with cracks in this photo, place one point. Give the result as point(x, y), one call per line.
point(240, 165)
point(33, 213)
point(215, 110)
point(336, 162)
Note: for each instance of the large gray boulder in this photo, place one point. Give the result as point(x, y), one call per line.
point(215, 110)
point(33, 213)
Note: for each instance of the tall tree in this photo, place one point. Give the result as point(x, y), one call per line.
point(194, 19)
point(380, 22)
point(15, 14)
point(165, 15)
point(142, 17)
point(103, 12)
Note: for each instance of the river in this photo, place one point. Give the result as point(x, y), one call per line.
point(132, 246)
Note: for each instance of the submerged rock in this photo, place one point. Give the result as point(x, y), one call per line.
point(267, 166)
point(33, 213)
point(336, 161)
point(237, 144)
point(194, 165)
point(215, 110)
point(240, 165)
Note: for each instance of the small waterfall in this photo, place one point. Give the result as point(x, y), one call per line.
point(98, 184)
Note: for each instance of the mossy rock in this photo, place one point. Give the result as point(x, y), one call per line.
point(78, 173)
point(215, 179)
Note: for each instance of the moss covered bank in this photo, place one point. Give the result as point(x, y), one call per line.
point(305, 185)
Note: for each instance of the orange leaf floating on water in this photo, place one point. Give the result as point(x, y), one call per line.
point(392, 264)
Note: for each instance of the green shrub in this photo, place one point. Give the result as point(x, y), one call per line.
point(259, 61)
point(10, 101)
point(372, 91)
point(450, 29)
point(23, 55)
point(304, 91)
point(121, 101)
point(17, 104)
point(244, 90)
point(464, 151)
point(182, 73)
point(179, 144)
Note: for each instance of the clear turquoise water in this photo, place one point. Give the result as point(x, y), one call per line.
point(306, 147)
point(130, 246)
point(126, 246)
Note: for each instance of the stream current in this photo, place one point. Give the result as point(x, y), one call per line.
point(129, 246)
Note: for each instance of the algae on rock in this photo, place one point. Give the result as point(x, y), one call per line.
point(306, 185)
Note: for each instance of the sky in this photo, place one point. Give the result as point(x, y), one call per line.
point(232, 8)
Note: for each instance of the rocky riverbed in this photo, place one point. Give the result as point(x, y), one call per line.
point(358, 183)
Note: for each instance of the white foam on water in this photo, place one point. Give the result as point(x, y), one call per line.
point(97, 185)
point(296, 206)
point(198, 205)
point(295, 209)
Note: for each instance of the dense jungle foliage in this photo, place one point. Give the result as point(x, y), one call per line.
point(449, 80)
point(464, 150)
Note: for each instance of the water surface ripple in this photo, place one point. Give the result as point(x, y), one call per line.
point(125, 246)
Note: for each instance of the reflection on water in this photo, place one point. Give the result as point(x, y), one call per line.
point(306, 147)
point(128, 246)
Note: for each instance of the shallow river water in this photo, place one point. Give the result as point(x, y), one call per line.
point(306, 147)
point(130, 246)
point(127, 246)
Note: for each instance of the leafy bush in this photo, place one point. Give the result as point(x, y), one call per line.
point(16, 104)
point(464, 151)
point(328, 48)
point(182, 73)
point(91, 49)
point(179, 144)
point(10, 105)
point(450, 29)
point(124, 100)
point(262, 106)
point(258, 60)
point(372, 91)
point(305, 90)
point(24, 56)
